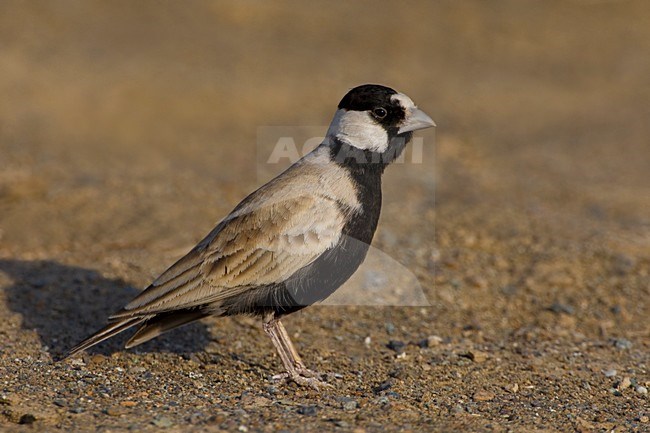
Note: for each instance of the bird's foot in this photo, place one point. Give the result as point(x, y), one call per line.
point(305, 377)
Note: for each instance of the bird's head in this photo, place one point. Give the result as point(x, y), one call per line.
point(376, 119)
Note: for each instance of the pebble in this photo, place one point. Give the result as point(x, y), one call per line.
point(641, 389)
point(114, 411)
point(615, 392)
point(97, 359)
point(430, 341)
point(622, 343)
point(458, 410)
point(514, 388)
point(625, 383)
point(396, 345)
point(483, 395)
point(28, 418)
point(390, 328)
point(478, 282)
point(560, 308)
point(477, 356)
point(308, 410)
point(77, 362)
point(6, 400)
point(383, 400)
point(382, 386)
point(644, 419)
point(162, 422)
point(349, 404)
point(610, 373)
point(196, 418)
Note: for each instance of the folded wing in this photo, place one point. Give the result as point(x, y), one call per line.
point(257, 247)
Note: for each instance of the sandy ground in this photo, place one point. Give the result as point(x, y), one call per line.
point(127, 130)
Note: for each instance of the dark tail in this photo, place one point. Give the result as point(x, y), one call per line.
point(152, 326)
point(105, 333)
point(162, 323)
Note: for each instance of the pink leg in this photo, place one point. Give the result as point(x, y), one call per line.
point(296, 370)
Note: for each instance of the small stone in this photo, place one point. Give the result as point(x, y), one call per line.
point(367, 341)
point(350, 404)
point(458, 410)
point(644, 419)
point(218, 418)
point(625, 383)
point(641, 389)
point(162, 422)
point(341, 423)
point(622, 344)
point(114, 411)
point(477, 356)
point(97, 359)
point(59, 402)
point(242, 428)
point(483, 395)
point(128, 403)
point(430, 341)
point(383, 400)
point(390, 328)
point(478, 282)
point(196, 418)
point(560, 308)
point(396, 345)
point(610, 373)
point(308, 410)
point(10, 399)
point(514, 388)
point(28, 418)
point(382, 386)
point(77, 362)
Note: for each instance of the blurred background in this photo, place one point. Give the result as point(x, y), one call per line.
point(127, 129)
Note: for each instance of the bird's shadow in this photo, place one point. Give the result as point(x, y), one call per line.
point(65, 304)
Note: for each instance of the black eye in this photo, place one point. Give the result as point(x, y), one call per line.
point(379, 112)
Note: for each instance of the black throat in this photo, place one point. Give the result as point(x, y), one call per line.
point(365, 168)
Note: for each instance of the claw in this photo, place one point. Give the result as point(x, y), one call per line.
point(304, 377)
point(296, 370)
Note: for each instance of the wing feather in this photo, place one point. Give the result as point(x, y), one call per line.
point(265, 245)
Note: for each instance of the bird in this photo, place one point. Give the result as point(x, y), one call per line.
point(292, 242)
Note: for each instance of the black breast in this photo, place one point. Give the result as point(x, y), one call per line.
point(334, 267)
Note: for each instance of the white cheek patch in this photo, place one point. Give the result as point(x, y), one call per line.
point(358, 129)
